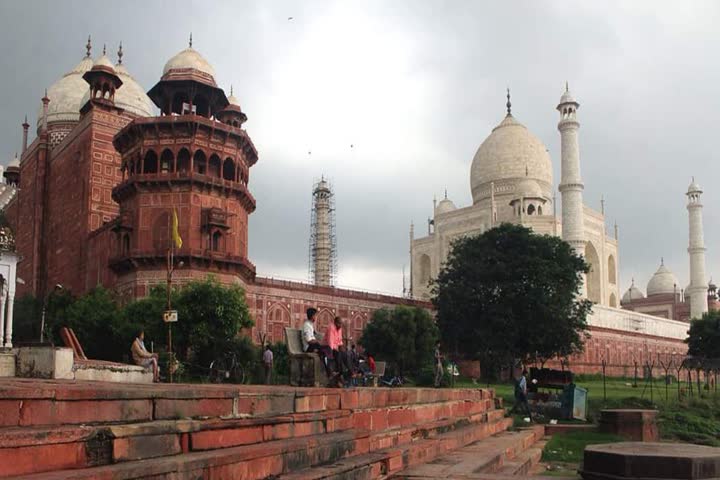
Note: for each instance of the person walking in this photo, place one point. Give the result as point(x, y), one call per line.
point(521, 397)
point(268, 363)
point(438, 365)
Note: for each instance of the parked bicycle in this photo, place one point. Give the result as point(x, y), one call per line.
point(226, 368)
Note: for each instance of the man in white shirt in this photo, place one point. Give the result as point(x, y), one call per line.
point(311, 344)
point(268, 361)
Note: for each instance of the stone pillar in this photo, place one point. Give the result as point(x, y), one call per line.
point(571, 184)
point(696, 248)
point(2, 317)
point(9, 319)
point(25, 126)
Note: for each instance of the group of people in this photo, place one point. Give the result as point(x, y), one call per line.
point(342, 365)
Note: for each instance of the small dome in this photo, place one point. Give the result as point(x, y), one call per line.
point(663, 282)
point(633, 293)
point(189, 59)
point(567, 97)
point(66, 95)
point(104, 61)
point(233, 100)
point(14, 163)
point(445, 205)
point(529, 189)
point(510, 153)
point(694, 187)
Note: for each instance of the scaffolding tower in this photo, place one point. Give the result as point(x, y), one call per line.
point(323, 247)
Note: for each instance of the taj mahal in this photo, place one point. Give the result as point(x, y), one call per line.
point(511, 179)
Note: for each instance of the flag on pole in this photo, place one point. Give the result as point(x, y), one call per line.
point(175, 233)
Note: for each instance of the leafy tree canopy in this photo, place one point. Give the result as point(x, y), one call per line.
point(403, 336)
point(704, 336)
point(211, 316)
point(512, 294)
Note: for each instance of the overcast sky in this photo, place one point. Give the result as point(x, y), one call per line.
point(416, 86)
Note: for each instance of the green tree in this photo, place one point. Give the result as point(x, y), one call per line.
point(95, 318)
point(404, 336)
point(511, 294)
point(210, 316)
point(704, 336)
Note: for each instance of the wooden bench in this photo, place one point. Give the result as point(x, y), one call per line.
point(306, 369)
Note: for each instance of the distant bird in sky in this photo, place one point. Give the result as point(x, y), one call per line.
point(290, 18)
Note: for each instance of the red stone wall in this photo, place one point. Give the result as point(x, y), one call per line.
point(276, 304)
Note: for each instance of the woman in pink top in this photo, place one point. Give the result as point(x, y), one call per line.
point(334, 340)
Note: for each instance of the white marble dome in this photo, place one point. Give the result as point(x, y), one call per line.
point(445, 205)
point(508, 156)
point(131, 95)
point(663, 282)
point(189, 59)
point(66, 95)
point(633, 293)
point(528, 189)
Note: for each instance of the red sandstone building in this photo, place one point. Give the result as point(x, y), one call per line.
point(110, 163)
point(98, 186)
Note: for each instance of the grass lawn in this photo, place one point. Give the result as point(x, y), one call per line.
point(688, 420)
point(569, 447)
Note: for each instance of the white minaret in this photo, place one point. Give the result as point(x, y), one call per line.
point(698, 286)
point(571, 184)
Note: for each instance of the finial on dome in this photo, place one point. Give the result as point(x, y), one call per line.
point(662, 261)
point(508, 104)
point(231, 89)
point(104, 50)
point(567, 88)
point(120, 54)
point(88, 47)
point(446, 194)
point(25, 119)
point(190, 42)
point(632, 282)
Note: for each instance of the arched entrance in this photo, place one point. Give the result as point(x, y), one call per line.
point(593, 278)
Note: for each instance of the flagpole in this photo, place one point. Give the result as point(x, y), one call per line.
point(169, 304)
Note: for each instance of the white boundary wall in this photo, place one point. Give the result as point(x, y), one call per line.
point(629, 321)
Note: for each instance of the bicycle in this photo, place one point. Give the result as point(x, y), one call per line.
point(226, 368)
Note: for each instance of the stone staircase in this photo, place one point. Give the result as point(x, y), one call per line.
point(91, 430)
point(506, 454)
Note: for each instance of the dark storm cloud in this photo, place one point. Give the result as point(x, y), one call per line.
point(415, 87)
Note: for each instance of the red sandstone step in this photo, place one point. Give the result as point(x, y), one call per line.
point(523, 463)
point(32, 450)
point(393, 458)
point(251, 462)
point(34, 403)
point(387, 461)
point(484, 457)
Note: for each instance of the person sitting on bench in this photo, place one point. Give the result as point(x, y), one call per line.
point(311, 344)
point(144, 358)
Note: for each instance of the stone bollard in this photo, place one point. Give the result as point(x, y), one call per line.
point(634, 425)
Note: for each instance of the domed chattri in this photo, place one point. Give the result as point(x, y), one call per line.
point(632, 293)
point(444, 206)
point(189, 62)
point(663, 282)
point(508, 155)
